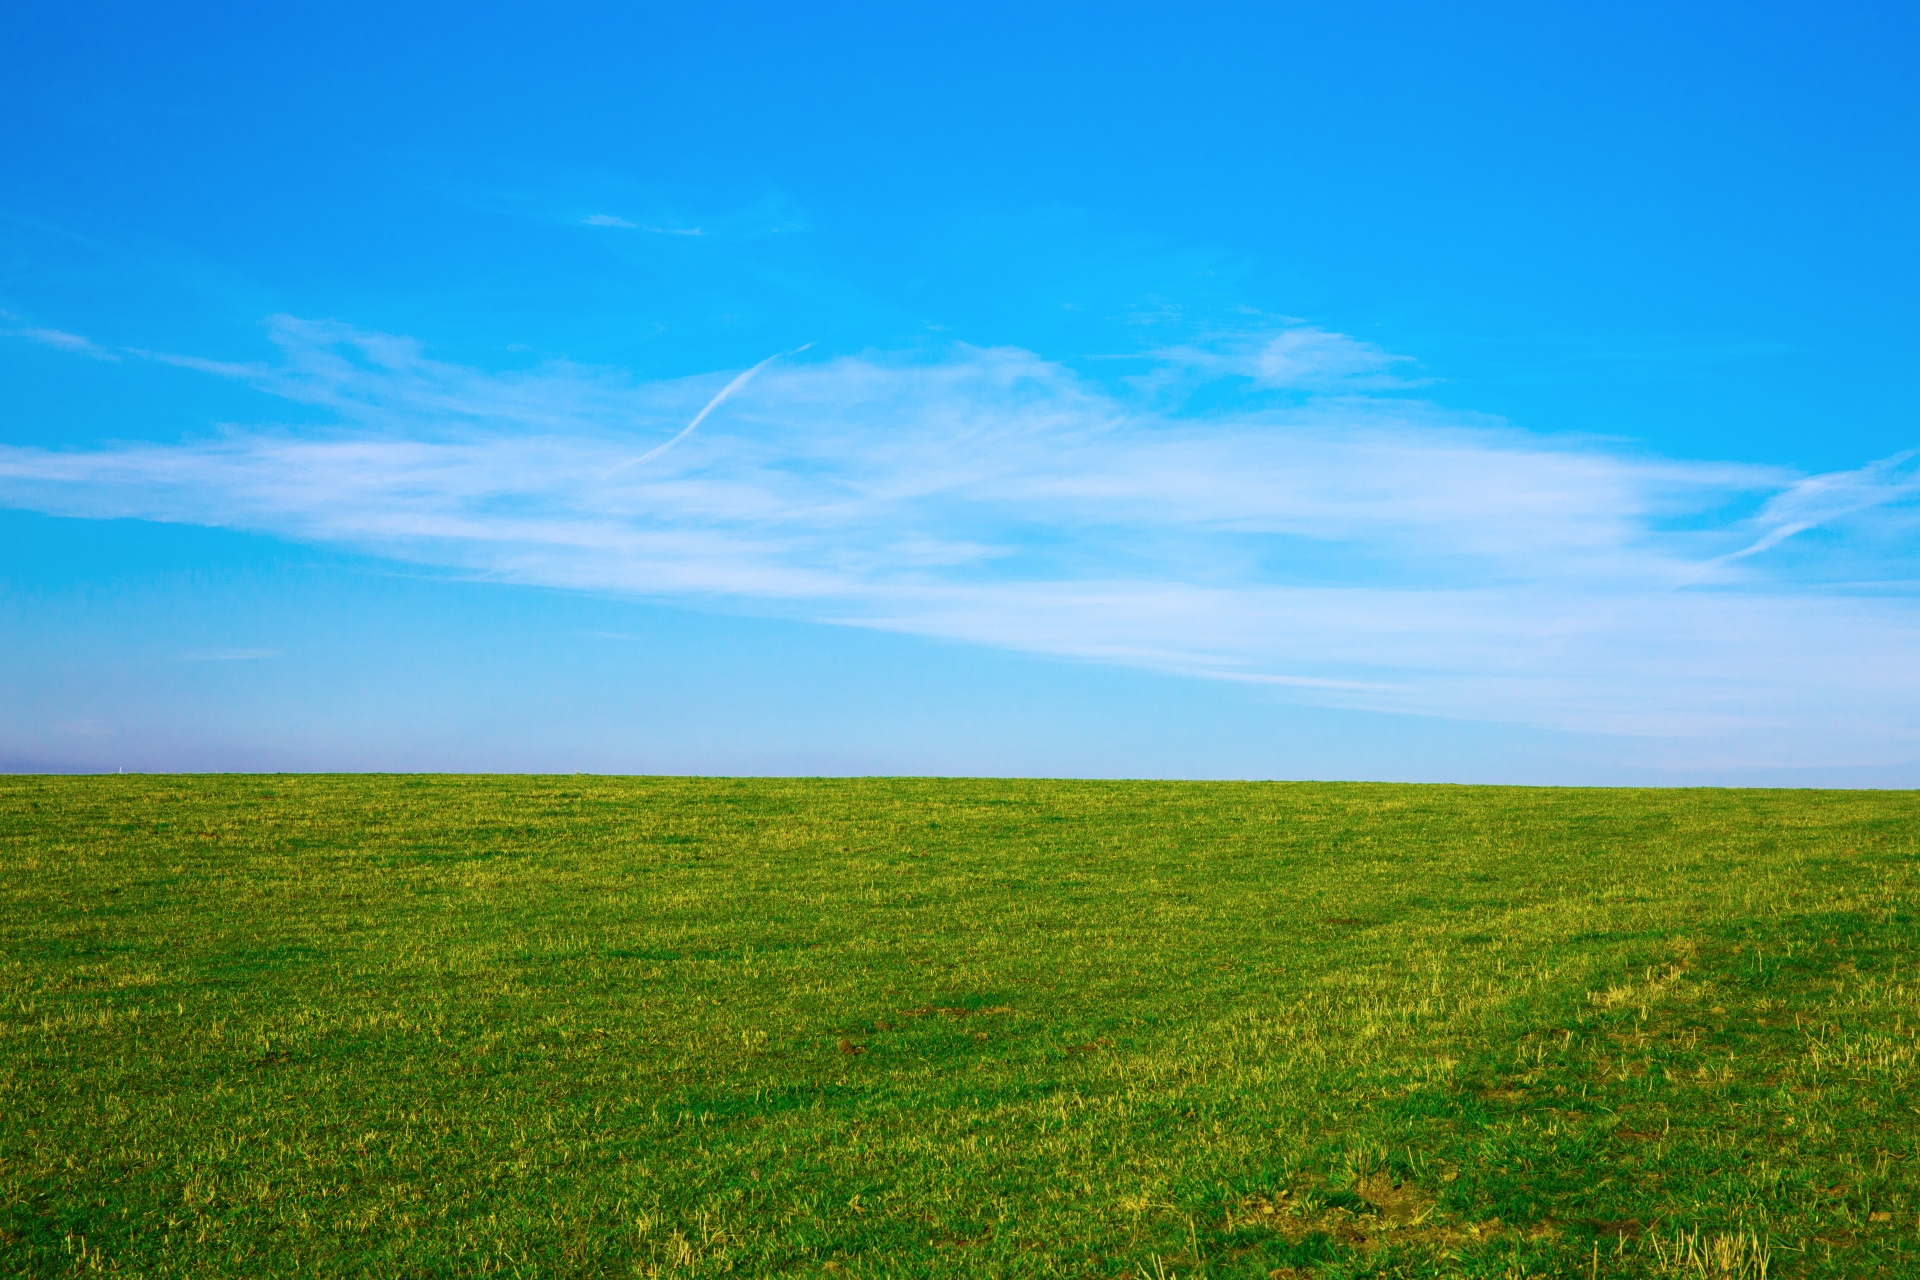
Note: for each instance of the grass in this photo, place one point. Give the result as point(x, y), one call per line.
point(583, 1026)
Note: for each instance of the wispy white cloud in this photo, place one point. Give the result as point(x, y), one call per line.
point(1346, 547)
point(13, 326)
point(1820, 500)
point(229, 655)
point(1296, 357)
point(651, 228)
point(720, 397)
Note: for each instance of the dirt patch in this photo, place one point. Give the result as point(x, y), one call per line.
point(1622, 1228)
point(1377, 1211)
point(1397, 1203)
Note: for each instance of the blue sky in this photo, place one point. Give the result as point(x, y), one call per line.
point(1478, 393)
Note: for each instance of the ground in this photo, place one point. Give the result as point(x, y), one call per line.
point(593, 1026)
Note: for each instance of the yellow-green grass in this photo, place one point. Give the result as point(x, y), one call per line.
point(593, 1026)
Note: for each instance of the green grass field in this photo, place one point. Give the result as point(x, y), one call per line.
point(582, 1026)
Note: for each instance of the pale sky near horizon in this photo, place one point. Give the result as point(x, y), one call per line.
point(1486, 394)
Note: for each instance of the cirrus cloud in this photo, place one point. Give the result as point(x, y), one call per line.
point(1342, 544)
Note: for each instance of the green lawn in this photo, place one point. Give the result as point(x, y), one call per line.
point(583, 1026)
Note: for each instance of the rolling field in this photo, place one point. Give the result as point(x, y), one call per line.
point(583, 1026)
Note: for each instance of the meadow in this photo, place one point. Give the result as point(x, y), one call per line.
point(575, 1026)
